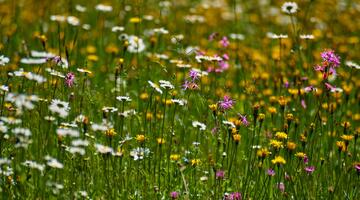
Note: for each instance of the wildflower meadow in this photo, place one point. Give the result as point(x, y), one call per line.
point(179, 99)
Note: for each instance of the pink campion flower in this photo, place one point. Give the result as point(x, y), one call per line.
point(281, 186)
point(303, 103)
point(174, 195)
point(220, 174)
point(310, 169)
point(331, 58)
point(287, 176)
point(309, 89)
point(212, 36)
point(193, 74)
point(190, 85)
point(227, 103)
point(235, 196)
point(214, 130)
point(69, 79)
point(357, 167)
point(286, 84)
point(224, 42)
point(224, 65)
point(225, 56)
point(319, 68)
point(243, 119)
point(270, 172)
point(306, 159)
point(329, 87)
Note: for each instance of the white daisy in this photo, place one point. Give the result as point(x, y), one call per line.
point(72, 20)
point(53, 162)
point(103, 149)
point(4, 88)
point(352, 64)
point(76, 150)
point(33, 61)
point(79, 142)
point(67, 132)
point(117, 29)
point(34, 165)
point(227, 123)
point(136, 44)
point(155, 86)
point(123, 98)
point(139, 153)
point(103, 8)
point(181, 102)
point(166, 84)
point(57, 18)
point(289, 7)
point(276, 36)
point(41, 54)
point(60, 107)
point(201, 126)
point(4, 60)
point(80, 8)
point(307, 37)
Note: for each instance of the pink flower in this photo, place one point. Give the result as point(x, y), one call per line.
point(224, 42)
point(213, 36)
point(329, 87)
point(227, 103)
point(309, 88)
point(220, 174)
point(174, 195)
point(194, 75)
point(281, 186)
point(357, 167)
point(310, 169)
point(331, 58)
point(235, 196)
point(303, 103)
point(306, 159)
point(69, 79)
point(243, 119)
point(270, 172)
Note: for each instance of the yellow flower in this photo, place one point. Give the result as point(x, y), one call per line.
point(282, 101)
point(303, 138)
point(291, 146)
point(140, 138)
point(110, 132)
point(92, 57)
point(262, 153)
point(278, 160)
point(276, 144)
point(272, 110)
point(195, 162)
point(261, 117)
point(289, 117)
point(144, 96)
point(347, 137)
point(213, 107)
point(346, 124)
point(160, 141)
point(135, 20)
point(281, 135)
point(233, 131)
point(149, 116)
point(301, 155)
point(341, 145)
point(237, 138)
point(174, 157)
